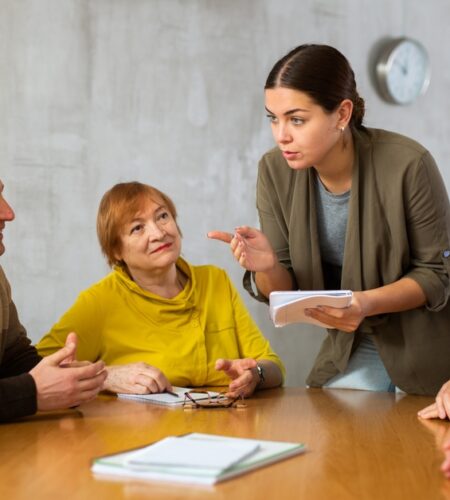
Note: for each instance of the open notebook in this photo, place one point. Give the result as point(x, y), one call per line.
point(167, 399)
point(195, 458)
point(289, 307)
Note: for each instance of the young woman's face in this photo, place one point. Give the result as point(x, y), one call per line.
point(305, 133)
point(151, 241)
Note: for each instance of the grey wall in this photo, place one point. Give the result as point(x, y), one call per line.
point(169, 92)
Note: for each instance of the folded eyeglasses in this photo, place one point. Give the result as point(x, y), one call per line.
point(220, 400)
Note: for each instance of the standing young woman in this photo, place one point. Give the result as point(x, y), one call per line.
point(343, 206)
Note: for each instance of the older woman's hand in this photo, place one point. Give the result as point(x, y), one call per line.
point(250, 248)
point(242, 373)
point(441, 408)
point(136, 378)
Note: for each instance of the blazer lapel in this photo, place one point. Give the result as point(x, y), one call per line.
point(352, 265)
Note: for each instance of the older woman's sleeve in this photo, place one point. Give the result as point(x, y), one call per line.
point(428, 215)
point(83, 318)
point(251, 341)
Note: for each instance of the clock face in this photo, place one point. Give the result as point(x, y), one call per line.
point(403, 71)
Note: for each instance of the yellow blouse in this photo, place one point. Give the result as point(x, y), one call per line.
point(119, 322)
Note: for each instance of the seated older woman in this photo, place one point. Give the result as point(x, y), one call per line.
point(156, 320)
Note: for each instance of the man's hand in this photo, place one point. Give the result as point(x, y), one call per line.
point(136, 378)
point(243, 375)
point(72, 343)
point(59, 384)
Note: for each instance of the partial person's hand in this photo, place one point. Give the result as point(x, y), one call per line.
point(445, 466)
point(60, 385)
point(136, 378)
point(346, 319)
point(441, 408)
point(441, 432)
point(250, 247)
point(243, 375)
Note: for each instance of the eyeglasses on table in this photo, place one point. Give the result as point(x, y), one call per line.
point(212, 401)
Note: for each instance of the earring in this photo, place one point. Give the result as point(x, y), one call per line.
point(342, 129)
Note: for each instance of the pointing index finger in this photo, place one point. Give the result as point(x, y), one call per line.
point(220, 235)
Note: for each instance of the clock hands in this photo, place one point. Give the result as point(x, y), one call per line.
point(403, 66)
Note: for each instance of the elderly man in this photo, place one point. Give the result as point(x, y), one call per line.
point(27, 382)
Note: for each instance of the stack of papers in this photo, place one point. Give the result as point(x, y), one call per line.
point(195, 458)
point(182, 454)
point(289, 307)
point(167, 399)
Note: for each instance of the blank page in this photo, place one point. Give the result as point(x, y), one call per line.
point(182, 452)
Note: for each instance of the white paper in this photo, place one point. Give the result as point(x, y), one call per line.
point(179, 452)
point(164, 398)
point(289, 307)
point(267, 452)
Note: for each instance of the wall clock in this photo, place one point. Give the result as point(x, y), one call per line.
point(403, 71)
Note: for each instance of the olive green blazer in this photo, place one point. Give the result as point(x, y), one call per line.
point(398, 225)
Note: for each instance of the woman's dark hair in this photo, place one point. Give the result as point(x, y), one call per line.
point(323, 73)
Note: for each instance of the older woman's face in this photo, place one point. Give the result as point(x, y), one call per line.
point(151, 241)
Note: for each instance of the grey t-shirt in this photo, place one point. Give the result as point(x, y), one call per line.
point(332, 215)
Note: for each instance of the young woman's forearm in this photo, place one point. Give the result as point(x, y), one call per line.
point(402, 295)
point(278, 278)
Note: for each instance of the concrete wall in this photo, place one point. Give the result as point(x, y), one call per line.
point(169, 92)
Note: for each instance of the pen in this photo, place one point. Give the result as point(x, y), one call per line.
point(172, 393)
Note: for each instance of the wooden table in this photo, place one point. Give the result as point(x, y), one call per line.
point(360, 445)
